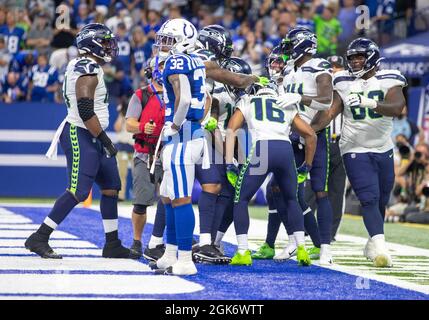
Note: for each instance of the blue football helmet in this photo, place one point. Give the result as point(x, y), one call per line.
point(298, 42)
point(216, 39)
point(276, 62)
point(367, 48)
point(236, 65)
point(98, 40)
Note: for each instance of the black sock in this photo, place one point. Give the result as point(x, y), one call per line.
point(45, 230)
point(112, 236)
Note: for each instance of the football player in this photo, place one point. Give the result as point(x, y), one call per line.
point(309, 84)
point(89, 151)
point(185, 96)
point(368, 98)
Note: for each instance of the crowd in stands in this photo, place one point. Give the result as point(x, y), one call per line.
point(37, 36)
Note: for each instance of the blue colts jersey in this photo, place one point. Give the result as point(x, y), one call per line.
point(193, 67)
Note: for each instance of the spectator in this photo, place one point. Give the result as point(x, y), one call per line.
point(41, 34)
point(384, 20)
point(327, 30)
point(23, 62)
point(305, 20)
point(252, 53)
point(102, 6)
point(174, 12)
point(83, 17)
point(229, 22)
point(122, 15)
point(23, 21)
point(138, 56)
point(402, 125)
point(3, 13)
point(114, 76)
point(37, 6)
point(5, 59)
point(271, 21)
point(43, 81)
point(124, 46)
point(14, 88)
point(153, 23)
point(15, 36)
point(135, 8)
point(347, 17)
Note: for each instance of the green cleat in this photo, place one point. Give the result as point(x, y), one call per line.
point(264, 252)
point(302, 256)
point(314, 253)
point(241, 259)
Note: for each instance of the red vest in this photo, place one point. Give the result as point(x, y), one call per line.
point(154, 110)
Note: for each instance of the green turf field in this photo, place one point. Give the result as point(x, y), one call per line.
point(415, 235)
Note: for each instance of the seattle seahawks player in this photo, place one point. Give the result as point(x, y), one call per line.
point(89, 151)
point(185, 97)
point(269, 126)
point(309, 84)
point(368, 98)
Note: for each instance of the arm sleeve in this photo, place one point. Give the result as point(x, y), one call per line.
point(134, 108)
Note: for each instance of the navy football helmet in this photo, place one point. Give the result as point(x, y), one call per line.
point(236, 65)
point(216, 39)
point(98, 40)
point(298, 42)
point(276, 62)
point(367, 48)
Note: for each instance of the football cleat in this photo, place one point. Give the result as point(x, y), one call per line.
point(369, 250)
point(180, 269)
point(38, 244)
point(314, 253)
point(155, 253)
point(137, 247)
point(264, 252)
point(163, 263)
point(114, 249)
point(239, 259)
point(286, 254)
point(302, 256)
point(326, 256)
point(210, 254)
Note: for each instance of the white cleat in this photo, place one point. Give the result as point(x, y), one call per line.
point(182, 269)
point(164, 262)
point(325, 255)
point(286, 254)
point(369, 250)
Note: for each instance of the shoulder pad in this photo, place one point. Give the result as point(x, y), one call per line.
point(205, 55)
point(393, 77)
point(86, 66)
point(343, 76)
point(178, 63)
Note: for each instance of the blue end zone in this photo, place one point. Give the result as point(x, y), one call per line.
point(264, 280)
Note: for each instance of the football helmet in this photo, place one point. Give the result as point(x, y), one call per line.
point(367, 48)
point(216, 39)
point(298, 42)
point(236, 65)
point(176, 36)
point(98, 40)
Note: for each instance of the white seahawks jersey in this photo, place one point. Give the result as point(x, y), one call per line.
point(226, 107)
point(364, 130)
point(264, 119)
point(303, 81)
point(76, 68)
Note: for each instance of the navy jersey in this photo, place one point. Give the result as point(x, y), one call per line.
point(139, 58)
point(125, 53)
point(193, 67)
point(13, 38)
point(43, 77)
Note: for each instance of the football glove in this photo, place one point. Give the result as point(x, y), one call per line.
point(232, 173)
point(302, 172)
point(211, 124)
point(357, 100)
point(263, 81)
point(288, 99)
point(108, 145)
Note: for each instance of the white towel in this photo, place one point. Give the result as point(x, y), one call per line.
point(206, 153)
point(53, 148)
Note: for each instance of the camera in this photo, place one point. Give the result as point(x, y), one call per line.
point(425, 190)
point(403, 149)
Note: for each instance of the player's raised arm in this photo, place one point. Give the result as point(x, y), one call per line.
point(238, 80)
point(323, 118)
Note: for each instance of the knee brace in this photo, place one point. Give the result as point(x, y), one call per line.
point(139, 209)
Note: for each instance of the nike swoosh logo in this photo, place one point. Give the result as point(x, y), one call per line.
point(390, 155)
